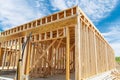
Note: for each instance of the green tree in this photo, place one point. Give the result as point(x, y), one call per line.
point(117, 59)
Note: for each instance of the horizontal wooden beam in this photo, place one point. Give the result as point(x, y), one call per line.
point(44, 20)
point(41, 29)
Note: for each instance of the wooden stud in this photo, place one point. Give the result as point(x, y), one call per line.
point(67, 54)
point(77, 50)
point(4, 56)
point(0, 55)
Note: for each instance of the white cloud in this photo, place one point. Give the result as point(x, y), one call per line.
point(42, 7)
point(113, 37)
point(113, 33)
point(16, 12)
point(59, 4)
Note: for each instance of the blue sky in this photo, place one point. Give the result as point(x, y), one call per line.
point(104, 14)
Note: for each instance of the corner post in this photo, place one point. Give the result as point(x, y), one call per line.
point(78, 69)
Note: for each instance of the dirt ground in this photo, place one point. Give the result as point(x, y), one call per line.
point(116, 74)
point(56, 77)
point(118, 66)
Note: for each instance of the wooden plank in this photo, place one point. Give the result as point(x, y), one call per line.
point(16, 52)
point(87, 52)
point(41, 29)
point(4, 56)
point(19, 57)
point(28, 59)
point(10, 54)
point(77, 50)
point(50, 57)
point(96, 63)
point(0, 55)
point(24, 60)
point(44, 53)
point(67, 54)
point(32, 55)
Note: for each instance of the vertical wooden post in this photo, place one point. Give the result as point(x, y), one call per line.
point(16, 53)
point(32, 55)
point(77, 49)
point(73, 56)
point(106, 54)
point(114, 63)
point(27, 60)
point(50, 55)
point(0, 55)
point(24, 61)
point(4, 55)
point(67, 54)
point(95, 54)
point(19, 57)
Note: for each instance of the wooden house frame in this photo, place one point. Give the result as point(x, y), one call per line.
point(64, 42)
